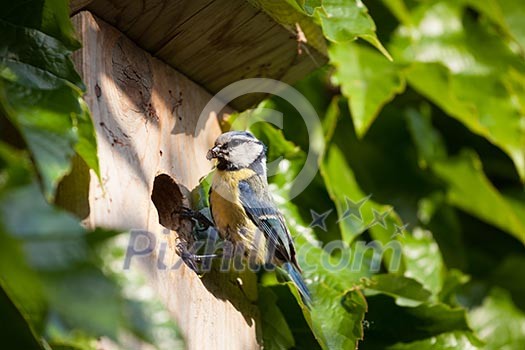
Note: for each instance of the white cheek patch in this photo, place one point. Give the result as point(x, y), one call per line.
point(245, 154)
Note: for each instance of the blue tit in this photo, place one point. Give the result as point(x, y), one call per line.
point(243, 209)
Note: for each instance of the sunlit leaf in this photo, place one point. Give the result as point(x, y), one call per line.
point(341, 326)
point(505, 13)
point(423, 260)
point(86, 146)
point(347, 20)
point(464, 68)
point(498, 322)
point(338, 309)
point(309, 6)
point(289, 14)
point(367, 79)
point(444, 341)
point(407, 291)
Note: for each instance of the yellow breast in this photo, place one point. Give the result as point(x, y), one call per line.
point(228, 213)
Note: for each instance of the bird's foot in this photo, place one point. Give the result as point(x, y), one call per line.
point(195, 261)
point(197, 217)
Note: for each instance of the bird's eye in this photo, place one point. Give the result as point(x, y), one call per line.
point(234, 143)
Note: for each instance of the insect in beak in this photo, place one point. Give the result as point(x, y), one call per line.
point(213, 153)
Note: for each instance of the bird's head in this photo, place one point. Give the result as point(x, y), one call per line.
point(237, 150)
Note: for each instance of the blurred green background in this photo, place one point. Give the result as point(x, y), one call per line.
point(425, 112)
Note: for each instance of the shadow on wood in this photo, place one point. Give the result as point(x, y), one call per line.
point(168, 198)
point(219, 42)
point(135, 105)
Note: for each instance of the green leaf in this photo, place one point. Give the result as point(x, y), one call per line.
point(390, 324)
point(84, 298)
point(472, 192)
point(505, 277)
point(293, 312)
point(56, 22)
point(14, 168)
point(338, 307)
point(407, 291)
point(43, 118)
point(309, 6)
point(290, 16)
point(467, 186)
point(422, 259)
point(399, 9)
point(26, 215)
point(507, 14)
point(16, 333)
point(368, 79)
point(454, 279)
point(277, 145)
point(444, 341)
point(40, 93)
point(86, 146)
point(513, 12)
point(498, 322)
point(276, 333)
point(442, 220)
point(462, 66)
point(416, 255)
point(346, 20)
point(343, 186)
point(428, 141)
point(48, 16)
point(340, 329)
point(199, 195)
point(21, 284)
point(331, 284)
point(33, 59)
point(68, 289)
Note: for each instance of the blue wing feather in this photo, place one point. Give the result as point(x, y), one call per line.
point(262, 212)
point(259, 207)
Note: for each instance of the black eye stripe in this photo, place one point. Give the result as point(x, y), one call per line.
point(235, 143)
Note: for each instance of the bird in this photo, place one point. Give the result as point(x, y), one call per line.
point(243, 209)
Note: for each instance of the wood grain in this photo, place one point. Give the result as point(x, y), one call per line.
point(215, 42)
point(145, 114)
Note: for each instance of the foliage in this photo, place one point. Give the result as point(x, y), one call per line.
point(56, 290)
point(422, 108)
point(436, 135)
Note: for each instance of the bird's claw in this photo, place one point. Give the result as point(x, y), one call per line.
point(196, 216)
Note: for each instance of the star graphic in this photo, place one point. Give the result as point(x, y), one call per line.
point(354, 208)
point(399, 230)
point(318, 220)
point(379, 218)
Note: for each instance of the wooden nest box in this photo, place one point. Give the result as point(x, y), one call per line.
point(216, 43)
point(150, 67)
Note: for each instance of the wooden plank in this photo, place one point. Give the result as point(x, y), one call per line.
point(145, 114)
point(77, 5)
point(216, 42)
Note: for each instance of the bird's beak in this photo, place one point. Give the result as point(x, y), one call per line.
point(212, 153)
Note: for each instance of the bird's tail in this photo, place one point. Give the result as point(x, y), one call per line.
point(297, 279)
